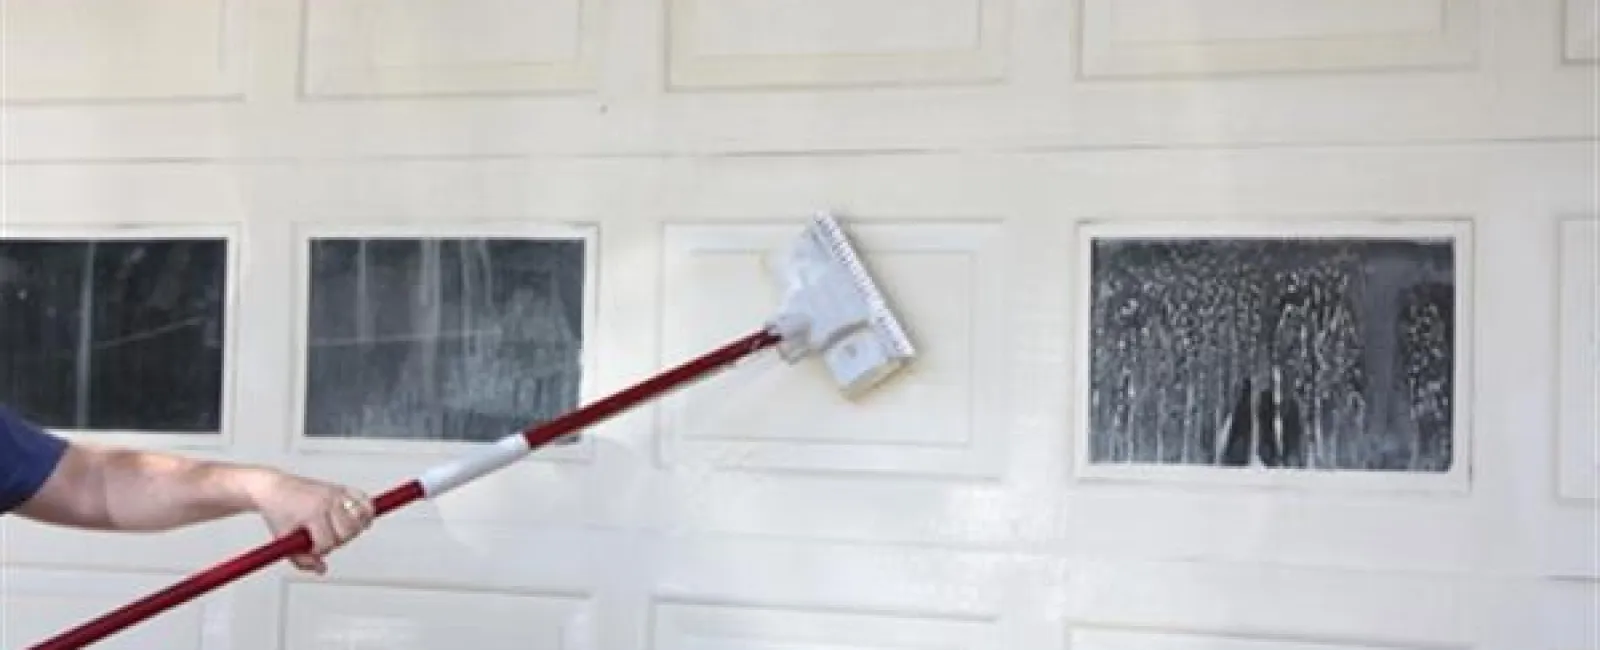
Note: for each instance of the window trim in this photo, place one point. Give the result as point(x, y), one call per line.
point(225, 435)
point(304, 233)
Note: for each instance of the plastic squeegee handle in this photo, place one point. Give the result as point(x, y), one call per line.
point(430, 484)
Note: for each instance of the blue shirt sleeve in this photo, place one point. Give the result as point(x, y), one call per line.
point(28, 456)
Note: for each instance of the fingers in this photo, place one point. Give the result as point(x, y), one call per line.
point(321, 530)
point(309, 563)
point(341, 516)
point(344, 523)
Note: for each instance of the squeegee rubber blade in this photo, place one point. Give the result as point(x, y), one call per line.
point(838, 244)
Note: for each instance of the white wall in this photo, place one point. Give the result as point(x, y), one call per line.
point(969, 143)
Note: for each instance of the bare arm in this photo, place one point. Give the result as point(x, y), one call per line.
point(112, 489)
point(125, 490)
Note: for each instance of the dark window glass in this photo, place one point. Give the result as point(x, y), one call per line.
point(1332, 354)
point(442, 339)
point(114, 335)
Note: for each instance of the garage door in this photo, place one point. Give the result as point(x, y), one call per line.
point(1246, 325)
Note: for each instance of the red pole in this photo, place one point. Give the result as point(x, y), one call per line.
point(397, 497)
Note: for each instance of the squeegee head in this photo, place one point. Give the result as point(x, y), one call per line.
point(833, 309)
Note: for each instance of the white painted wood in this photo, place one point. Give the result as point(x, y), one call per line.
point(1191, 37)
point(1389, 609)
point(762, 43)
point(429, 47)
point(1578, 466)
point(693, 626)
point(81, 50)
point(1581, 36)
point(1112, 639)
point(350, 617)
point(969, 144)
point(769, 416)
point(1564, 614)
point(41, 602)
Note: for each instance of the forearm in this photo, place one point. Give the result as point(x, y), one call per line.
point(130, 490)
point(150, 491)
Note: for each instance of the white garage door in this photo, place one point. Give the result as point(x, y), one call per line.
point(1248, 324)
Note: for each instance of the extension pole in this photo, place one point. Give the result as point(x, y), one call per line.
point(430, 484)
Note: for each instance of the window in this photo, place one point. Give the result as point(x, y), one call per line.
point(1299, 353)
point(465, 339)
point(114, 335)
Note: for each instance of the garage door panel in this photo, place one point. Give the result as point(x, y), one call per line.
point(1580, 38)
point(1558, 614)
point(80, 51)
point(819, 508)
point(451, 554)
point(1352, 607)
point(759, 44)
point(1113, 639)
point(943, 279)
point(1578, 462)
point(1567, 547)
point(41, 603)
point(681, 625)
point(1555, 614)
point(1211, 37)
point(331, 616)
point(428, 48)
point(847, 577)
point(1311, 530)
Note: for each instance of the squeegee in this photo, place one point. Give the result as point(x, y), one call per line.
point(830, 310)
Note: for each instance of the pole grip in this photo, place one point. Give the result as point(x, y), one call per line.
point(401, 495)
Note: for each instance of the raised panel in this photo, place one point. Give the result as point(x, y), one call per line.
point(1268, 526)
point(41, 603)
point(369, 617)
point(1562, 615)
point(89, 50)
point(1216, 37)
point(1352, 608)
point(753, 43)
point(938, 418)
point(1579, 457)
point(1110, 639)
point(694, 626)
point(439, 47)
point(1582, 30)
point(918, 581)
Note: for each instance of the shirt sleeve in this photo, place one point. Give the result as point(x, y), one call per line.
point(28, 456)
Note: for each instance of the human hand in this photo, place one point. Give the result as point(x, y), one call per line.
point(332, 514)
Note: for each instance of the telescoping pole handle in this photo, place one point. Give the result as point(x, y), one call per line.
point(431, 484)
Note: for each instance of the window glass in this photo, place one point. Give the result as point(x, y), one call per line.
point(123, 335)
point(441, 339)
point(1319, 354)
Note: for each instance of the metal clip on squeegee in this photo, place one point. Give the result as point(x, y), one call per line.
point(831, 309)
